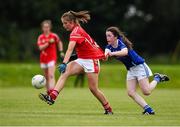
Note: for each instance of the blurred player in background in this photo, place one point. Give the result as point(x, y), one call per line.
point(47, 43)
point(88, 53)
point(138, 71)
point(79, 80)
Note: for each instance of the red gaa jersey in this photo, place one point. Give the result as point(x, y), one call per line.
point(86, 47)
point(48, 54)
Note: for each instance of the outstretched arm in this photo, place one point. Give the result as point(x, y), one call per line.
point(69, 51)
point(123, 52)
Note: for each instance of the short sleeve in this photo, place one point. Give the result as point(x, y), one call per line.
point(77, 38)
point(122, 45)
point(108, 47)
point(77, 35)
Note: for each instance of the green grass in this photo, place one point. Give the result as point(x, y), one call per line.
point(112, 75)
point(21, 106)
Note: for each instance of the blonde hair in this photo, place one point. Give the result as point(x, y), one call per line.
point(46, 22)
point(81, 16)
point(118, 33)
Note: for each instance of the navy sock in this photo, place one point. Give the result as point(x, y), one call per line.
point(147, 108)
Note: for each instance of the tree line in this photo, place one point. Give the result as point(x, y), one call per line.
point(153, 26)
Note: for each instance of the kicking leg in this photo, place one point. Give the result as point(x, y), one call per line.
point(72, 69)
point(147, 87)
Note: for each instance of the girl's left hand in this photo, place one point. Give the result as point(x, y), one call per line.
point(62, 67)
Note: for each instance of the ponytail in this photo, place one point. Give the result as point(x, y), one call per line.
point(81, 16)
point(120, 35)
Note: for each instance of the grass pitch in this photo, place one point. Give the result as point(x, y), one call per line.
point(20, 105)
point(75, 106)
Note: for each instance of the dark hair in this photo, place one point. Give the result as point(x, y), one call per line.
point(117, 33)
point(46, 21)
point(81, 16)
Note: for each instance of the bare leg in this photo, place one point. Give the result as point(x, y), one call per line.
point(72, 69)
point(93, 86)
point(131, 90)
point(51, 77)
point(147, 87)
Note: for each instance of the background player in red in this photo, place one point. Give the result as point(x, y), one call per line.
point(47, 43)
point(88, 53)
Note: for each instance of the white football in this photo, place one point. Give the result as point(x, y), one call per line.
point(38, 81)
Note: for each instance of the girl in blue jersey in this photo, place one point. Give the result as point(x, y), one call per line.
point(138, 71)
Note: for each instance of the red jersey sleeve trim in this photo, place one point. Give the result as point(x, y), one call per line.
point(78, 39)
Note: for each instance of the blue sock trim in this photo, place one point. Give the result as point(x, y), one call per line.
point(156, 78)
point(147, 106)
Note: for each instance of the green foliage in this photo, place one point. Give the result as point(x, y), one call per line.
point(153, 26)
point(74, 107)
point(112, 75)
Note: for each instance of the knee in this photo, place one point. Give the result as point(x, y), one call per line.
point(146, 92)
point(131, 93)
point(66, 74)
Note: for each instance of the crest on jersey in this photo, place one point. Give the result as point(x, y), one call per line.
point(52, 40)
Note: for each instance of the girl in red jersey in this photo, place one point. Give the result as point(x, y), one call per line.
point(47, 43)
point(88, 53)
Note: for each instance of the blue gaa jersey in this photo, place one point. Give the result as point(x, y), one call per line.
point(131, 59)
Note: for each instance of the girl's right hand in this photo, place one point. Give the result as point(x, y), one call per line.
point(107, 53)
